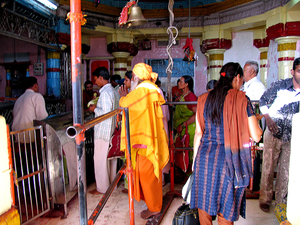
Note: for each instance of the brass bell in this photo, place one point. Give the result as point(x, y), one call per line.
point(136, 17)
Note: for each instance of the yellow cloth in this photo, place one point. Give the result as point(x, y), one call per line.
point(146, 125)
point(144, 72)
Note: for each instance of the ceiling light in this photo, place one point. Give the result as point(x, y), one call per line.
point(48, 4)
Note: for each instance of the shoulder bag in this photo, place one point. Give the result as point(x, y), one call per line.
point(184, 214)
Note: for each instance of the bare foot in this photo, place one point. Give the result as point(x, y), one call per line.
point(95, 192)
point(125, 191)
point(146, 214)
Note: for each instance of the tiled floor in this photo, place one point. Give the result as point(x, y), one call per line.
point(116, 211)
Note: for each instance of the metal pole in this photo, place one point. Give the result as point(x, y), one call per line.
point(75, 22)
point(105, 197)
point(129, 168)
point(72, 131)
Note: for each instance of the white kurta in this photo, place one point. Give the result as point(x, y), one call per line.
point(28, 107)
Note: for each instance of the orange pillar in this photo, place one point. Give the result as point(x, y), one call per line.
point(76, 20)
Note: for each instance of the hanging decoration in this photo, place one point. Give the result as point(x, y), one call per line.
point(189, 50)
point(125, 12)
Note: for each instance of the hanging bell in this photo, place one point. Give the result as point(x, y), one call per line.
point(136, 17)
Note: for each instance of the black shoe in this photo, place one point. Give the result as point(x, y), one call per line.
point(264, 207)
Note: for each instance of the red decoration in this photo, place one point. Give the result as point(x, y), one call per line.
point(189, 49)
point(223, 74)
point(124, 14)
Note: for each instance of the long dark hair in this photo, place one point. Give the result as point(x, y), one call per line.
point(216, 97)
point(129, 74)
point(189, 81)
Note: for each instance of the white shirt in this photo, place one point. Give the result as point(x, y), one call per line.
point(254, 89)
point(28, 107)
point(107, 102)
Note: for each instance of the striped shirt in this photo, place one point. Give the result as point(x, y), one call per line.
point(107, 102)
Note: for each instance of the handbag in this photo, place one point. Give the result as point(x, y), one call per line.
point(184, 215)
point(114, 149)
point(182, 157)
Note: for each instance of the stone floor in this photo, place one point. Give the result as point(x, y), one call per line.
point(116, 211)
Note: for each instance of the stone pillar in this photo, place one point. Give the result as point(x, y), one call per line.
point(121, 46)
point(261, 42)
point(216, 58)
point(215, 42)
point(263, 65)
point(286, 34)
point(129, 61)
point(120, 63)
point(286, 55)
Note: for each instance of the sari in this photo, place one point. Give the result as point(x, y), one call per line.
point(182, 114)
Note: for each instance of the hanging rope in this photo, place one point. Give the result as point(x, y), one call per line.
point(172, 40)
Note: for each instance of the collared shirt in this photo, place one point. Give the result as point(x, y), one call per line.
point(254, 89)
point(281, 102)
point(107, 102)
point(28, 107)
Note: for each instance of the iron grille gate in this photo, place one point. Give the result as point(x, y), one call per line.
point(31, 188)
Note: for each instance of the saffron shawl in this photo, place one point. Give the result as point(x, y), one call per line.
point(236, 135)
point(146, 125)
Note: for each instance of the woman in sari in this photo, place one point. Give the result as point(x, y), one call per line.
point(225, 121)
point(185, 114)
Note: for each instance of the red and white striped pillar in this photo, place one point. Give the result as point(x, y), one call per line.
point(216, 58)
point(286, 55)
point(263, 65)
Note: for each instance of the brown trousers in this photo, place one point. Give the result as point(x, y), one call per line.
point(275, 153)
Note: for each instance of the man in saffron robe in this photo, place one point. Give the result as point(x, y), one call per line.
point(149, 142)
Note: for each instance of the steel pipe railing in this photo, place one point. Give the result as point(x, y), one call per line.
point(105, 197)
point(73, 131)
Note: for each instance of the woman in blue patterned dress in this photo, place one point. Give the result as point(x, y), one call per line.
point(225, 121)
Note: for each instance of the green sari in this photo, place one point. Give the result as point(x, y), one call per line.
point(182, 114)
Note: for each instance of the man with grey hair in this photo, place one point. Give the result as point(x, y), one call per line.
point(253, 87)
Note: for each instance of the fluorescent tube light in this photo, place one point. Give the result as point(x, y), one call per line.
point(48, 4)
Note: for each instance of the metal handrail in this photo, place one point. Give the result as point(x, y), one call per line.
point(73, 131)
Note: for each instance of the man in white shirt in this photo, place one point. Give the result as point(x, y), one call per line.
point(28, 107)
point(253, 87)
point(105, 170)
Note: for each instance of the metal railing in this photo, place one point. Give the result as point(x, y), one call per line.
point(73, 131)
point(31, 182)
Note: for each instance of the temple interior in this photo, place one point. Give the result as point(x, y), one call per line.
point(36, 40)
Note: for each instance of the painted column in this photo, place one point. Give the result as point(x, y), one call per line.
point(261, 42)
point(120, 45)
point(216, 58)
point(53, 73)
point(215, 42)
point(286, 55)
point(263, 65)
point(286, 35)
point(8, 84)
point(120, 63)
point(129, 61)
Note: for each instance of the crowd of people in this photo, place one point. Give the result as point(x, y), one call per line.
point(221, 127)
